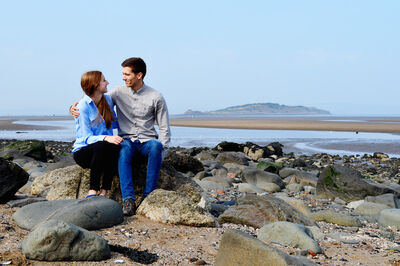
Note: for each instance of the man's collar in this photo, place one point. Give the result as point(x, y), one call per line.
point(141, 89)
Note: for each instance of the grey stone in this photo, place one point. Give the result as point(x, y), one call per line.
point(223, 181)
point(334, 217)
point(25, 148)
point(348, 184)
point(235, 168)
point(239, 248)
point(233, 157)
point(285, 172)
point(209, 185)
point(205, 155)
point(257, 211)
point(244, 187)
point(23, 202)
point(390, 217)
point(56, 240)
point(316, 232)
point(256, 176)
point(345, 238)
point(310, 189)
point(200, 175)
point(355, 204)
point(94, 213)
point(340, 201)
point(295, 203)
point(12, 178)
point(269, 187)
point(291, 234)
point(295, 187)
point(388, 199)
point(170, 207)
point(183, 163)
point(303, 178)
point(370, 208)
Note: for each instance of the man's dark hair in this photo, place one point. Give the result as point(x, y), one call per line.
point(136, 64)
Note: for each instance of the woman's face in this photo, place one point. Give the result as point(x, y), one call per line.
point(103, 85)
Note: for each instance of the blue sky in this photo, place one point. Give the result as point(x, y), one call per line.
point(341, 56)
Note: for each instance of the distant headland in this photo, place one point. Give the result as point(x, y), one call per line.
point(262, 109)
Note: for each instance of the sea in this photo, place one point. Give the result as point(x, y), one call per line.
point(296, 141)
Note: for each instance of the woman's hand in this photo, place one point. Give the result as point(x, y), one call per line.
point(114, 139)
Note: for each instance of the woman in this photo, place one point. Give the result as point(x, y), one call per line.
point(95, 146)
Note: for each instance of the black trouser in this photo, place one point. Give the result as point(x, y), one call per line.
point(102, 158)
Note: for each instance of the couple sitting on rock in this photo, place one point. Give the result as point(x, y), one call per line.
point(139, 108)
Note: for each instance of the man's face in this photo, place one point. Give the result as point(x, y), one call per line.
point(131, 79)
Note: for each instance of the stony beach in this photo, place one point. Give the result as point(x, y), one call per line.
point(233, 181)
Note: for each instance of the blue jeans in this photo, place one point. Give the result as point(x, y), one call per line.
point(151, 149)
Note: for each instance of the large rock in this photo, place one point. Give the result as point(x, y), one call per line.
point(258, 178)
point(183, 163)
point(330, 216)
point(170, 207)
point(388, 199)
point(285, 233)
point(257, 211)
point(239, 248)
point(56, 240)
point(232, 157)
point(347, 184)
point(303, 178)
point(370, 208)
point(12, 178)
point(229, 146)
point(94, 213)
point(390, 217)
point(26, 148)
point(73, 182)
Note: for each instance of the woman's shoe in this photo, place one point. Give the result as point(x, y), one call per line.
point(89, 196)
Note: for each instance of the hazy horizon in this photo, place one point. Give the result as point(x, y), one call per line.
point(340, 56)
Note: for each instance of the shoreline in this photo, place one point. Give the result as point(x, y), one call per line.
point(321, 123)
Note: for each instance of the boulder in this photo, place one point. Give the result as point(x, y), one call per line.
point(56, 240)
point(274, 148)
point(92, 214)
point(232, 157)
point(209, 185)
point(256, 211)
point(253, 151)
point(269, 167)
point(229, 146)
point(239, 248)
point(73, 182)
point(347, 183)
point(258, 177)
point(303, 178)
point(370, 208)
point(285, 233)
point(334, 217)
point(295, 187)
point(296, 203)
point(390, 217)
point(26, 148)
point(388, 199)
point(285, 172)
point(183, 163)
point(170, 207)
point(12, 178)
point(205, 155)
point(249, 188)
point(223, 181)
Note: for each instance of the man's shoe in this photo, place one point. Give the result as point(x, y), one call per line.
point(129, 207)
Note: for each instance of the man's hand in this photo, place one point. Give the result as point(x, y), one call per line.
point(73, 110)
point(114, 139)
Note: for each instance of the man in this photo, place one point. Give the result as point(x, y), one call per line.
point(139, 108)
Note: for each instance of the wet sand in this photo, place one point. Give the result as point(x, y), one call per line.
point(356, 124)
point(7, 123)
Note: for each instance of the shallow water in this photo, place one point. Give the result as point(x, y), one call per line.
point(298, 141)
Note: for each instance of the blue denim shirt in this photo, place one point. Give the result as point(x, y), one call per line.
point(88, 130)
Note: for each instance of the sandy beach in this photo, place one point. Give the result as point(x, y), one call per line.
point(323, 123)
point(351, 124)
